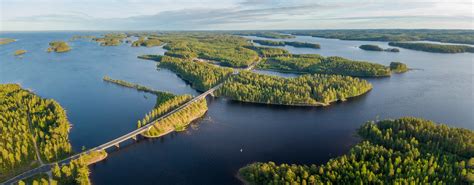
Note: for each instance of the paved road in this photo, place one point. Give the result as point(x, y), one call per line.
point(47, 167)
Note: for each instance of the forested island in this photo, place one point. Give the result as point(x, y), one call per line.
point(147, 42)
point(434, 48)
point(449, 36)
point(58, 47)
point(269, 51)
point(6, 41)
point(34, 131)
point(135, 86)
point(201, 75)
point(305, 90)
point(270, 35)
point(111, 39)
point(402, 151)
point(398, 67)
point(370, 47)
point(19, 52)
point(317, 64)
point(289, 43)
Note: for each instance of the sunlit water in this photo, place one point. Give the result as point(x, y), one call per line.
point(231, 134)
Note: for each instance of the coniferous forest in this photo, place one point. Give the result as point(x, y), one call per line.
point(402, 151)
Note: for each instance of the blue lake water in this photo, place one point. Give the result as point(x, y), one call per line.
point(209, 151)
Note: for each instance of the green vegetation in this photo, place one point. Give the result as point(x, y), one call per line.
point(147, 42)
point(283, 43)
point(6, 41)
point(201, 75)
point(176, 121)
point(306, 90)
point(450, 36)
point(371, 47)
point(58, 47)
point(271, 35)
point(135, 86)
point(111, 39)
point(402, 151)
point(19, 52)
point(269, 52)
point(317, 64)
point(28, 122)
point(434, 48)
point(151, 57)
point(398, 67)
point(226, 49)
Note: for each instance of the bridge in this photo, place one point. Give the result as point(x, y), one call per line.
point(131, 135)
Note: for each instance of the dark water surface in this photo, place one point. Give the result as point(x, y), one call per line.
point(209, 151)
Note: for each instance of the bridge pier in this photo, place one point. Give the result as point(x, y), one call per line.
point(117, 145)
point(134, 138)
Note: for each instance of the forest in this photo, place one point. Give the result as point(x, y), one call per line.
point(398, 67)
point(228, 50)
point(156, 58)
point(270, 35)
point(305, 90)
point(138, 87)
point(111, 39)
point(402, 151)
point(317, 64)
point(289, 43)
point(74, 173)
point(19, 52)
point(269, 51)
point(201, 75)
point(28, 122)
point(371, 47)
point(58, 47)
point(147, 42)
point(449, 36)
point(434, 48)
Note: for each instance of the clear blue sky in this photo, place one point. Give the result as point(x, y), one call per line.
point(233, 14)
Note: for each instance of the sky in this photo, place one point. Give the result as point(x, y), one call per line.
point(31, 15)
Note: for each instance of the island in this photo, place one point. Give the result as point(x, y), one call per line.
point(403, 151)
point(19, 52)
point(58, 47)
point(6, 41)
point(111, 39)
point(434, 48)
point(289, 43)
point(398, 67)
point(305, 90)
point(370, 47)
point(317, 64)
point(147, 42)
point(270, 35)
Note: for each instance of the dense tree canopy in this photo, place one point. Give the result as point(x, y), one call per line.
point(452, 36)
point(402, 151)
point(270, 35)
point(435, 48)
point(111, 39)
point(58, 47)
point(306, 90)
point(289, 43)
point(398, 67)
point(147, 42)
point(201, 75)
point(317, 64)
point(26, 119)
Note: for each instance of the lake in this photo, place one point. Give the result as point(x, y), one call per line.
point(232, 134)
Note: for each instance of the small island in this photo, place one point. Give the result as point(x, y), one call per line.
point(147, 42)
point(406, 150)
point(370, 47)
point(6, 41)
point(58, 47)
point(19, 52)
point(111, 39)
point(433, 48)
point(398, 67)
point(289, 43)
